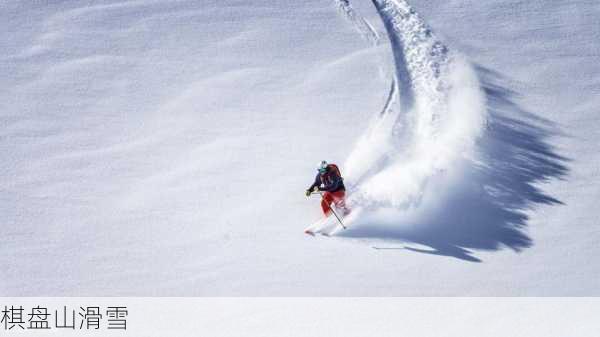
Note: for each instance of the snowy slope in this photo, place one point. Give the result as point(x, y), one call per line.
point(162, 148)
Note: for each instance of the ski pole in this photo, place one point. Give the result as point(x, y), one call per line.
point(332, 210)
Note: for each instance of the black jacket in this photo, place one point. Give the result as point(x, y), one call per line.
point(331, 182)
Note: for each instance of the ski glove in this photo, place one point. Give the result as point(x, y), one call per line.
point(308, 192)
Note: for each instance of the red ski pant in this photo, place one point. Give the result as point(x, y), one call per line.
point(338, 198)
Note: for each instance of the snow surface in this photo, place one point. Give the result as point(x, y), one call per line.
point(163, 147)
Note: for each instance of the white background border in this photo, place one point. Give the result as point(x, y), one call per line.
point(348, 317)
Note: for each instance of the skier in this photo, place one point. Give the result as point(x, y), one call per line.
point(330, 181)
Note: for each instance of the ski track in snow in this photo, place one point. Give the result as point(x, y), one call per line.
point(362, 25)
point(430, 126)
point(431, 138)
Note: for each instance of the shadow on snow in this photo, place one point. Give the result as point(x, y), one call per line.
point(487, 210)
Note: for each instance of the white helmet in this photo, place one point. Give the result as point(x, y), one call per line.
point(322, 166)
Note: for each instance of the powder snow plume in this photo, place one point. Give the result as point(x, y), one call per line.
point(432, 119)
